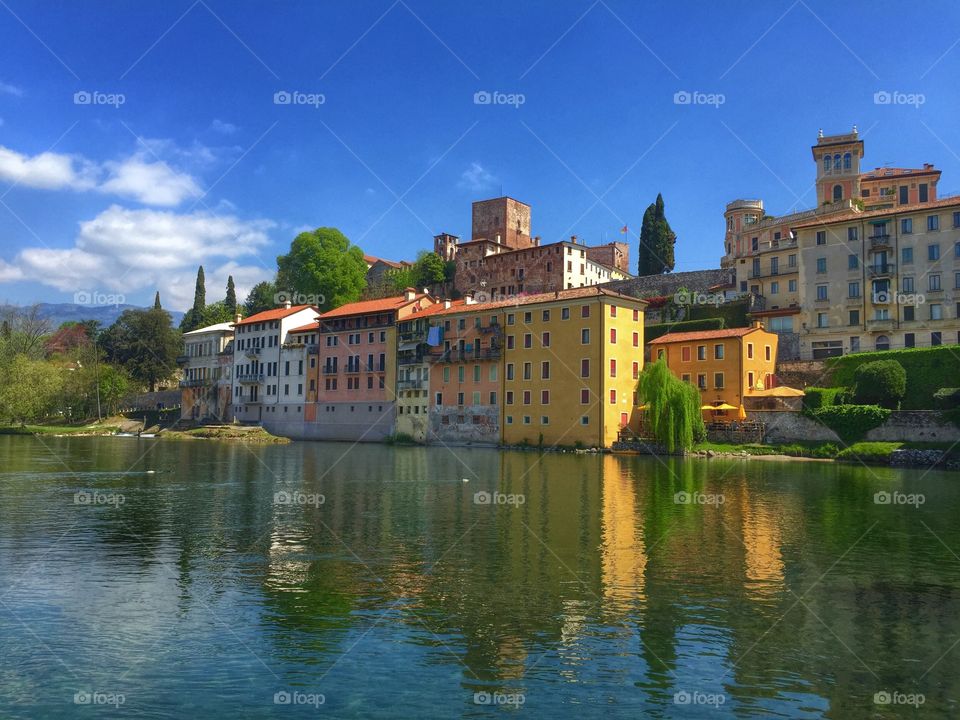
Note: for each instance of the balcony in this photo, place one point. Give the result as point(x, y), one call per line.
point(249, 378)
point(329, 370)
point(192, 383)
point(495, 329)
point(409, 384)
point(413, 359)
point(417, 336)
point(183, 359)
point(881, 271)
point(822, 301)
point(253, 352)
point(313, 349)
point(880, 242)
point(880, 324)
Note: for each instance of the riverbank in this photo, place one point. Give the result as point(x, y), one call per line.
point(229, 433)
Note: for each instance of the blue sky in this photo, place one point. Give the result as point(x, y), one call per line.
point(200, 164)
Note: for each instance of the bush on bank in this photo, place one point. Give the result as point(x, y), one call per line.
point(851, 422)
point(927, 370)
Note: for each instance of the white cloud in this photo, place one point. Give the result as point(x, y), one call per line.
point(223, 127)
point(149, 181)
point(125, 251)
point(476, 178)
point(8, 89)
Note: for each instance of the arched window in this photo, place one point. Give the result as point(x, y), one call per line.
point(836, 161)
point(883, 342)
point(826, 163)
point(837, 193)
point(847, 161)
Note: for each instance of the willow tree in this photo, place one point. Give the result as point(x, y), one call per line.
point(673, 408)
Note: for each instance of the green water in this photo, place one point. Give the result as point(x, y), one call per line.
point(162, 579)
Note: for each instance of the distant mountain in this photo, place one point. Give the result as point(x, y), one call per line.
point(58, 313)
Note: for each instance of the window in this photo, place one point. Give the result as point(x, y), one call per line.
point(584, 311)
point(822, 292)
point(702, 381)
point(528, 317)
point(613, 397)
point(853, 233)
point(544, 397)
point(544, 420)
point(526, 397)
point(923, 192)
point(933, 282)
point(933, 252)
point(527, 340)
point(909, 340)
point(613, 335)
point(936, 338)
point(584, 396)
point(545, 315)
point(718, 351)
point(460, 373)
point(685, 377)
point(493, 397)
point(907, 284)
point(750, 351)
point(821, 237)
point(906, 255)
point(509, 397)
point(585, 368)
point(956, 219)
point(956, 281)
point(527, 371)
point(701, 352)
point(792, 260)
point(685, 353)
point(821, 265)
point(906, 226)
point(585, 336)
point(936, 311)
point(854, 317)
point(476, 373)
point(475, 398)
point(774, 288)
point(585, 420)
point(511, 319)
point(511, 339)
point(509, 371)
point(767, 350)
point(438, 399)
point(718, 380)
point(853, 289)
point(545, 370)
point(847, 161)
point(446, 374)
point(853, 262)
point(636, 370)
point(636, 337)
point(545, 339)
point(749, 379)
point(822, 320)
point(792, 286)
point(933, 223)
point(565, 313)
point(613, 311)
point(526, 419)
point(904, 195)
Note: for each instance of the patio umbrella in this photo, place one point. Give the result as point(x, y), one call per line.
point(741, 413)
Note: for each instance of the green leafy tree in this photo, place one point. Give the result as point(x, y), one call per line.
point(399, 279)
point(114, 386)
point(261, 297)
point(673, 407)
point(657, 241)
point(30, 390)
point(323, 263)
point(880, 382)
point(429, 270)
point(231, 299)
point(145, 344)
point(215, 313)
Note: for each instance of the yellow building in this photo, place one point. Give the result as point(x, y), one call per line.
point(572, 359)
point(727, 366)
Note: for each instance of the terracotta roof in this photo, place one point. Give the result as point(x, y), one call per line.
point(306, 328)
point(439, 307)
point(556, 296)
point(365, 307)
point(898, 210)
point(275, 314)
point(881, 173)
point(703, 335)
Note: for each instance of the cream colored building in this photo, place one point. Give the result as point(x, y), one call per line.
point(207, 372)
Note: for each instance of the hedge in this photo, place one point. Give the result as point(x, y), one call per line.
point(652, 332)
point(880, 382)
point(947, 398)
point(851, 422)
point(818, 397)
point(928, 370)
point(733, 313)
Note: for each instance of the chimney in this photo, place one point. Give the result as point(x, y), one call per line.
point(928, 166)
point(237, 318)
point(536, 241)
point(446, 304)
point(468, 299)
point(409, 293)
point(758, 324)
point(286, 304)
point(573, 239)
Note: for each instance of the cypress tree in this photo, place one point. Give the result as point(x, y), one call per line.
point(231, 301)
point(657, 241)
point(156, 301)
point(200, 293)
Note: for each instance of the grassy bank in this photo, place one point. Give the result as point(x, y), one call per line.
point(93, 429)
point(865, 452)
point(231, 433)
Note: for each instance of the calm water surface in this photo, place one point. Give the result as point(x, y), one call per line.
point(166, 573)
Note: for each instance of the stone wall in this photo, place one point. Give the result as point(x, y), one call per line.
point(902, 426)
point(668, 283)
point(357, 422)
point(802, 373)
point(474, 425)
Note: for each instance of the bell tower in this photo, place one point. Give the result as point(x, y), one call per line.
point(838, 166)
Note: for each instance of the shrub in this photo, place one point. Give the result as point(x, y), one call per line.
point(851, 422)
point(928, 370)
point(869, 452)
point(947, 398)
point(400, 439)
point(817, 397)
point(881, 382)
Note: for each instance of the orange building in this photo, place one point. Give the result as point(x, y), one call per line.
point(727, 366)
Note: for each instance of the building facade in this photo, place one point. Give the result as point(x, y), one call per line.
point(205, 393)
point(727, 366)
